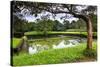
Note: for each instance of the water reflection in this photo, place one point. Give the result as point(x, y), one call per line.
point(32, 50)
point(40, 45)
point(64, 44)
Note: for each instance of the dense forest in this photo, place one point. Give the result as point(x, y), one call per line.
point(22, 25)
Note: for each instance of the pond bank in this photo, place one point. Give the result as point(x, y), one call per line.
point(34, 34)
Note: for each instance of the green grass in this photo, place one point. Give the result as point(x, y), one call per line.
point(33, 33)
point(75, 30)
point(57, 32)
point(54, 32)
point(15, 42)
point(54, 56)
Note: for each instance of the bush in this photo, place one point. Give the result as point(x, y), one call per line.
point(18, 34)
point(90, 53)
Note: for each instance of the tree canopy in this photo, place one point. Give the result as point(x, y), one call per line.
point(23, 8)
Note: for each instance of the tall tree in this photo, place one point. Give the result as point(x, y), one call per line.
point(19, 25)
point(66, 24)
point(57, 26)
point(74, 25)
point(78, 11)
point(44, 25)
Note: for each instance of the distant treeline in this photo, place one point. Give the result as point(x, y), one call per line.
point(44, 25)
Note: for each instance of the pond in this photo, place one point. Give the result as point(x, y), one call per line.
point(37, 45)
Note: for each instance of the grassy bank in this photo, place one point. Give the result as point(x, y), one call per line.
point(57, 32)
point(15, 42)
point(53, 56)
point(75, 30)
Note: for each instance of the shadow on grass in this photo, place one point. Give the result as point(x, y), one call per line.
point(91, 53)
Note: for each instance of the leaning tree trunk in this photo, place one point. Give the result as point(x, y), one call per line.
point(87, 19)
point(90, 34)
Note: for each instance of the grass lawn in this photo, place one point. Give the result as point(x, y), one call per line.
point(75, 30)
point(15, 42)
point(54, 56)
point(57, 32)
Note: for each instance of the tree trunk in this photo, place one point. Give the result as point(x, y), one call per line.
point(90, 34)
point(87, 19)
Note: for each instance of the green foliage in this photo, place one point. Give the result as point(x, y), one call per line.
point(44, 26)
point(90, 53)
point(31, 26)
point(94, 22)
point(53, 56)
point(66, 24)
point(80, 24)
point(58, 26)
point(19, 25)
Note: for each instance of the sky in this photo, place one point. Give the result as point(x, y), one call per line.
point(31, 18)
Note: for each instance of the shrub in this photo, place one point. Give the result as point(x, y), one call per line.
point(90, 53)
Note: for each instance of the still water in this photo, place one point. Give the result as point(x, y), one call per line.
point(36, 45)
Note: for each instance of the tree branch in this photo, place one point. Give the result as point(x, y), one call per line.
point(85, 18)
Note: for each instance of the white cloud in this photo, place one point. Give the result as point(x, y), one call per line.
point(31, 18)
